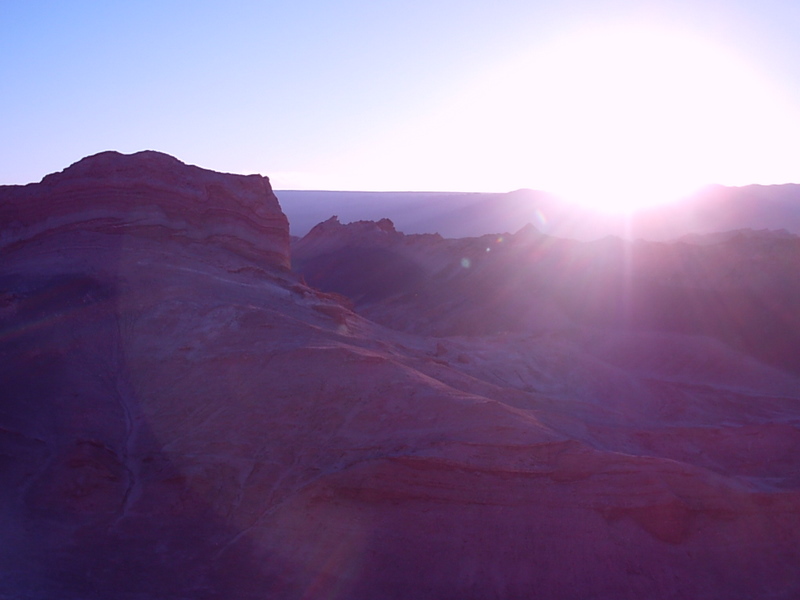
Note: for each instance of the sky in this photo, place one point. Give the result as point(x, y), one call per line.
point(605, 101)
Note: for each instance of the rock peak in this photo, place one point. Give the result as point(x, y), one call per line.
point(153, 194)
point(527, 231)
point(145, 163)
point(386, 225)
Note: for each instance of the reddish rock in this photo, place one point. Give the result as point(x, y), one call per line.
point(152, 195)
point(182, 417)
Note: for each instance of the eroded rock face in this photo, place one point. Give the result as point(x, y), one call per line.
point(152, 195)
point(186, 419)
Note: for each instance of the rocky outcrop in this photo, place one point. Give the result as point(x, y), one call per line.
point(740, 289)
point(151, 195)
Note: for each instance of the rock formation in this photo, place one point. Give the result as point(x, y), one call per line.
point(182, 417)
point(150, 195)
point(740, 288)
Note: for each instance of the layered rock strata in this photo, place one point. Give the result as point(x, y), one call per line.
point(150, 195)
point(182, 417)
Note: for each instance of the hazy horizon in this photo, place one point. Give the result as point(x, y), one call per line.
point(601, 102)
point(378, 190)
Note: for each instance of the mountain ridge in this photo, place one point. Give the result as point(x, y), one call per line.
point(455, 215)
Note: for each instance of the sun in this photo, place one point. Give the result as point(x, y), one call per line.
point(614, 116)
point(622, 117)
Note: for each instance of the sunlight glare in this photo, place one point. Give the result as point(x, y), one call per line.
point(613, 117)
point(620, 118)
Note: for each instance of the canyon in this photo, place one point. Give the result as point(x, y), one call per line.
point(194, 405)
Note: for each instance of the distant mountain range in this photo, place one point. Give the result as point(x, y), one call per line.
point(454, 215)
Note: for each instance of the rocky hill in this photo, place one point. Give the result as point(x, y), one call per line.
point(154, 196)
point(183, 417)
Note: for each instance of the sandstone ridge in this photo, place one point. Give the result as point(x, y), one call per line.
point(153, 195)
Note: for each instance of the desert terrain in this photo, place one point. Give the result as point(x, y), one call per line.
point(196, 405)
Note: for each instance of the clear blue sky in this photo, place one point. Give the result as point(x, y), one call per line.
point(434, 94)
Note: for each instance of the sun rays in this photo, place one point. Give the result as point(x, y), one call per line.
point(615, 117)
